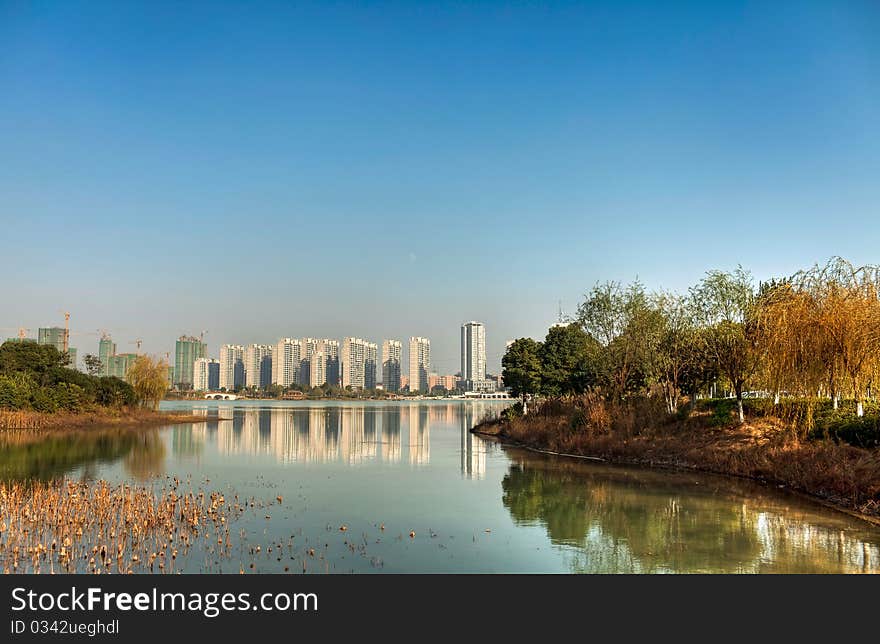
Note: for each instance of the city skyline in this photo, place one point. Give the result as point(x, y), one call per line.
point(298, 351)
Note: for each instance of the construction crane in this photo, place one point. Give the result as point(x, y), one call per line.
point(20, 330)
point(202, 336)
point(66, 329)
point(138, 342)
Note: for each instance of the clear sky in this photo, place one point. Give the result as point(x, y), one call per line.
point(259, 169)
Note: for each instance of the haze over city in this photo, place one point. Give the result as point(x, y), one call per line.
point(391, 170)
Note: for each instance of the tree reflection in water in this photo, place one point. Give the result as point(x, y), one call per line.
point(44, 456)
point(614, 519)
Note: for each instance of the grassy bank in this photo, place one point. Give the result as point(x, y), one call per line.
point(765, 448)
point(100, 417)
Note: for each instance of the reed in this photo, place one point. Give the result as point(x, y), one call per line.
point(64, 526)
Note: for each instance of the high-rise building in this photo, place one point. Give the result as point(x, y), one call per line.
point(54, 336)
point(473, 357)
point(120, 364)
point(371, 361)
point(309, 347)
point(391, 355)
point(206, 374)
point(231, 366)
point(286, 362)
point(419, 363)
point(353, 362)
point(331, 360)
point(106, 350)
point(317, 369)
point(187, 350)
point(71, 354)
point(258, 365)
point(329, 370)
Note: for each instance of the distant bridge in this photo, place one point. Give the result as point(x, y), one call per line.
point(217, 395)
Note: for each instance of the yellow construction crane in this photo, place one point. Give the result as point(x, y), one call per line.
point(20, 330)
point(66, 330)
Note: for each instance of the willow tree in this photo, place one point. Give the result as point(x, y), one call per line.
point(787, 324)
point(726, 305)
point(848, 323)
point(149, 379)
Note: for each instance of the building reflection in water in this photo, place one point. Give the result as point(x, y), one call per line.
point(473, 448)
point(353, 434)
point(419, 434)
point(390, 434)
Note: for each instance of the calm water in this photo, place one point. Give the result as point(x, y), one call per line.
point(473, 505)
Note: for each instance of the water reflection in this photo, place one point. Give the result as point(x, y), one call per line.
point(44, 456)
point(614, 519)
point(347, 434)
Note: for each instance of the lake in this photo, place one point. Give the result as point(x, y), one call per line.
point(393, 487)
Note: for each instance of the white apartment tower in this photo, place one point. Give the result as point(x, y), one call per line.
point(391, 356)
point(231, 366)
point(286, 362)
point(473, 356)
point(318, 368)
point(202, 374)
point(352, 362)
point(329, 349)
point(257, 365)
point(419, 363)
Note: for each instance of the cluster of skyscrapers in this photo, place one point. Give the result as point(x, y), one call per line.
point(352, 363)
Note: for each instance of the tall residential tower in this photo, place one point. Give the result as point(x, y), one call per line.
point(391, 356)
point(419, 363)
point(473, 357)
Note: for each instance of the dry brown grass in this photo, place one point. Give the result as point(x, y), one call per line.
point(14, 419)
point(67, 527)
point(765, 449)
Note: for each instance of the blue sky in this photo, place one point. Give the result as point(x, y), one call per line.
point(266, 169)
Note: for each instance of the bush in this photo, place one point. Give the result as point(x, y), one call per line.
point(514, 411)
point(15, 391)
point(114, 392)
point(844, 427)
point(44, 401)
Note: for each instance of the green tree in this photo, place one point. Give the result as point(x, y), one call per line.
point(674, 350)
point(29, 357)
point(726, 302)
point(566, 360)
point(521, 367)
point(626, 329)
point(93, 363)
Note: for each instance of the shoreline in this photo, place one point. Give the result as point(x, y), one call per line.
point(677, 462)
point(135, 419)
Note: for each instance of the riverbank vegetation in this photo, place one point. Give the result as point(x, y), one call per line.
point(39, 390)
point(774, 381)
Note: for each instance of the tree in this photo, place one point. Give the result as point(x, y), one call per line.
point(566, 365)
point(149, 379)
point(521, 367)
point(626, 328)
point(674, 353)
point(29, 357)
point(726, 303)
point(93, 363)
